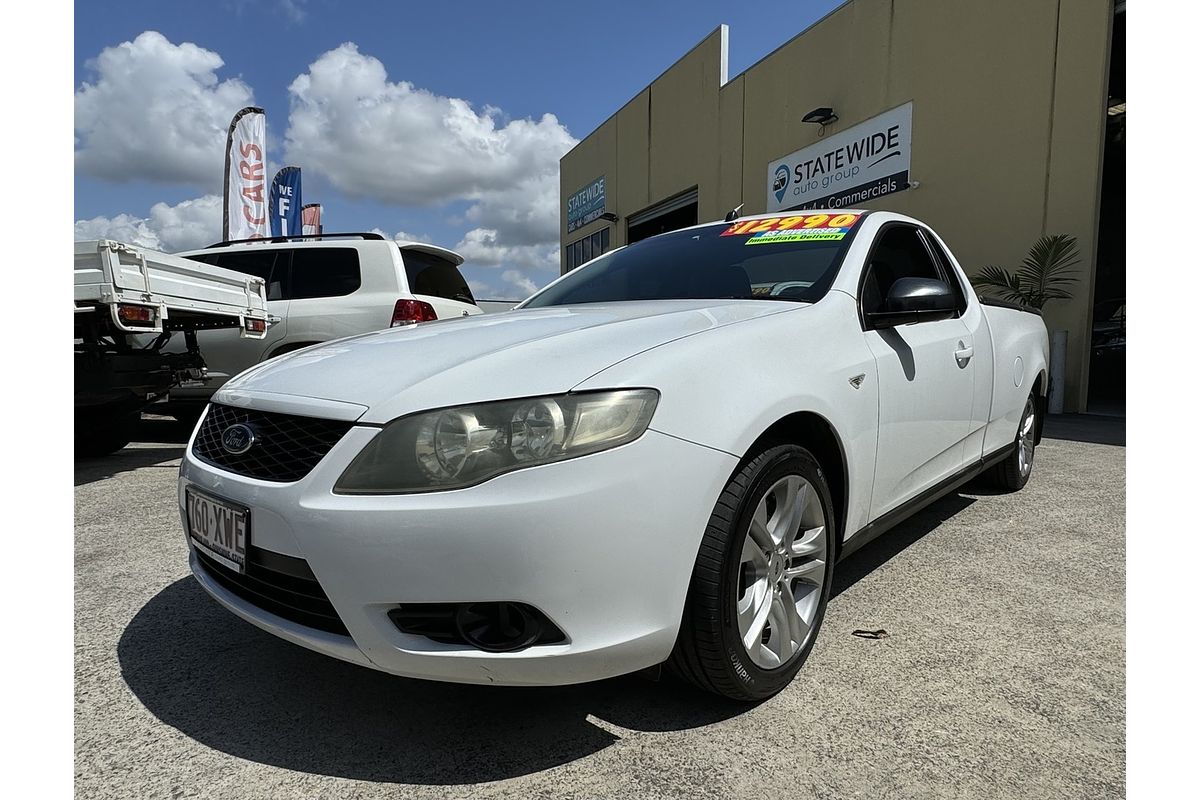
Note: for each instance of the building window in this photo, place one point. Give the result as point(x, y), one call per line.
point(584, 250)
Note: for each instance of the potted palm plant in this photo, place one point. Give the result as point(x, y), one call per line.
point(1046, 274)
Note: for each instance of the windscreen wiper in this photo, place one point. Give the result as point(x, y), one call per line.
point(765, 297)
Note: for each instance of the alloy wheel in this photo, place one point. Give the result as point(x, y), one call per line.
point(1025, 437)
point(782, 572)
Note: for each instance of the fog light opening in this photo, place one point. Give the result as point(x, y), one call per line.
point(497, 627)
point(494, 627)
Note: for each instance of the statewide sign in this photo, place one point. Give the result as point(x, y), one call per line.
point(864, 162)
point(585, 205)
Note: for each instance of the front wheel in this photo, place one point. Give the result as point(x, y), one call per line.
point(762, 578)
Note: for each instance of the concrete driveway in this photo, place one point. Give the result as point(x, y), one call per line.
point(1003, 674)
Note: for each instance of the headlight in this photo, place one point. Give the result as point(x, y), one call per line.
point(458, 447)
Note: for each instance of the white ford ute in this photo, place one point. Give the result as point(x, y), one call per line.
point(658, 458)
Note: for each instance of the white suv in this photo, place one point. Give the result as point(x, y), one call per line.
point(326, 288)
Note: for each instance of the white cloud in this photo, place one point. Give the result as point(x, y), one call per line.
point(122, 227)
point(481, 289)
point(398, 144)
point(404, 236)
point(484, 247)
point(156, 112)
point(185, 226)
point(519, 280)
point(294, 10)
point(525, 213)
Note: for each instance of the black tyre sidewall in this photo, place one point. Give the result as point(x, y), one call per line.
point(778, 462)
point(96, 436)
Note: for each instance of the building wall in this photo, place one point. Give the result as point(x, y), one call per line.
point(1008, 100)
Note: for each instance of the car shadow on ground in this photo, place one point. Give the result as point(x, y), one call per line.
point(892, 542)
point(241, 691)
point(90, 470)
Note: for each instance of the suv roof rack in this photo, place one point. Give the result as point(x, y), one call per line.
point(285, 239)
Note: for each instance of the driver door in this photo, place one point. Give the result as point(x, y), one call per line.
point(926, 377)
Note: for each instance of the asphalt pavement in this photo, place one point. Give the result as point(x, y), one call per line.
point(1002, 673)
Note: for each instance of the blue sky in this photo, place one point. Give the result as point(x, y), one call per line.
point(422, 118)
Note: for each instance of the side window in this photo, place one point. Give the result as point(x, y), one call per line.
point(270, 265)
point(899, 253)
point(952, 278)
point(433, 275)
point(324, 272)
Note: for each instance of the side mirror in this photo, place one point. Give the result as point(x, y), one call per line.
point(915, 300)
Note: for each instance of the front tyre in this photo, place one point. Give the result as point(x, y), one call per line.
point(761, 580)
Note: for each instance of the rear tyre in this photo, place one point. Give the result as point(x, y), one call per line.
point(96, 435)
point(761, 580)
point(1013, 473)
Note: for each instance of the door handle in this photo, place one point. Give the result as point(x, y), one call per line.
point(963, 354)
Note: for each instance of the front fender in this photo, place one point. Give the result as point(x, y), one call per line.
point(723, 388)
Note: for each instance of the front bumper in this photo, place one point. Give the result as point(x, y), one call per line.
point(603, 545)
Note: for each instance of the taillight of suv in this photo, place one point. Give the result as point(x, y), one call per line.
point(407, 312)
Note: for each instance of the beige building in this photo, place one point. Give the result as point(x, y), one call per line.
point(1009, 125)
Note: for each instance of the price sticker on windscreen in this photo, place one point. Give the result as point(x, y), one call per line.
point(794, 228)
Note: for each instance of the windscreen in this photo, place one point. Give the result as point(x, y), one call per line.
point(787, 257)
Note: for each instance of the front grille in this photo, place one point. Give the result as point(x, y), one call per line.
point(282, 585)
point(286, 446)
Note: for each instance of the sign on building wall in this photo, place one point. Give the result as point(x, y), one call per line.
point(864, 162)
point(585, 205)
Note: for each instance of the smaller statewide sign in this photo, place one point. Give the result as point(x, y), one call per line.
point(585, 205)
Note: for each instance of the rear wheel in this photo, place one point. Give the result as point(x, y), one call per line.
point(1013, 473)
point(762, 578)
point(98, 435)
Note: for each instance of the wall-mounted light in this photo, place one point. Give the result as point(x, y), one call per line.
point(608, 216)
point(820, 116)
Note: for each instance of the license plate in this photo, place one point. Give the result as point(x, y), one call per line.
point(219, 528)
